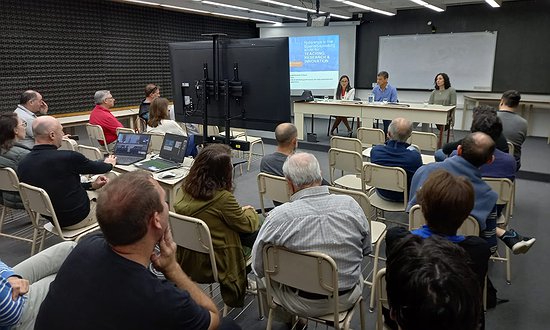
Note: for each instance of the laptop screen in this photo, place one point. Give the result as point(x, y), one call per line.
point(173, 147)
point(129, 144)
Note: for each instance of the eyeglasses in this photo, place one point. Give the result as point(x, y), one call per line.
point(109, 98)
point(23, 124)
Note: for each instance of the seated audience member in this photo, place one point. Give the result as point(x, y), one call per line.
point(207, 195)
point(315, 220)
point(159, 119)
point(58, 173)
point(12, 131)
point(23, 288)
point(101, 115)
point(286, 136)
point(106, 282)
point(397, 152)
point(476, 150)
point(514, 126)
point(384, 92)
point(31, 103)
point(481, 110)
point(431, 287)
point(151, 93)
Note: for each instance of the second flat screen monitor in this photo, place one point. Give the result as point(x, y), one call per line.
point(263, 67)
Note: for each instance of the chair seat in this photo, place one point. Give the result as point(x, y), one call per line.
point(329, 318)
point(350, 181)
point(385, 205)
point(377, 229)
point(68, 233)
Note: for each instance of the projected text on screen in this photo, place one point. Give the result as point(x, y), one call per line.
point(314, 62)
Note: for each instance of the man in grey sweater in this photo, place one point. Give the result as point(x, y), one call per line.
point(514, 127)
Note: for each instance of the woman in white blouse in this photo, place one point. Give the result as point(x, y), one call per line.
point(344, 91)
point(159, 119)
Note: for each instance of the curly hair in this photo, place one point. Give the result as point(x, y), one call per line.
point(211, 171)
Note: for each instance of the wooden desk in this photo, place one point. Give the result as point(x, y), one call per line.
point(172, 185)
point(436, 114)
point(526, 105)
point(81, 120)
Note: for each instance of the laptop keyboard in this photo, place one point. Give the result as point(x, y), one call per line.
point(125, 160)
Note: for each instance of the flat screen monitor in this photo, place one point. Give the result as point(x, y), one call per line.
point(263, 69)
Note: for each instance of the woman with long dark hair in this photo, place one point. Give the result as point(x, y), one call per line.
point(443, 94)
point(343, 91)
point(207, 195)
point(12, 129)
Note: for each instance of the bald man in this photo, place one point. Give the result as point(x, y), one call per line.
point(58, 172)
point(30, 105)
point(397, 152)
point(287, 142)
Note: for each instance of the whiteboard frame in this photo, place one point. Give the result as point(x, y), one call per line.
point(414, 69)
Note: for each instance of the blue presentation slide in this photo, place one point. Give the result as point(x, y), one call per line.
point(314, 62)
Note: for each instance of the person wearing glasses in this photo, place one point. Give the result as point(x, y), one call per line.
point(12, 151)
point(30, 105)
point(101, 115)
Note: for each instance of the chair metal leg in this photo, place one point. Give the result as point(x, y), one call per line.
point(269, 319)
point(508, 267)
point(2, 217)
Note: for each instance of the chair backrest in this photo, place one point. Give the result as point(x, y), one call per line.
point(272, 187)
point(385, 177)
point(503, 187)
point(8, 179)
point(424, 140)
point(68, 144)
point(312, 272)
point(140, 124)
point(37, 202)
point(350, 162)
point(371, 136)
point(95, 133)
point(124, 130)
point(212, 130)
point(156, 143)
point(346, 143)
point(381, 297)
point(92, 153)
point(470, 226)
point(511, 148)
point(193, 234)
point(360, 197)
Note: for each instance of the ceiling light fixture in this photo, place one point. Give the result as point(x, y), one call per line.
point(282, 4)
point(364, 7)
point(429, 5)
point(252, 10)
point(494, 3)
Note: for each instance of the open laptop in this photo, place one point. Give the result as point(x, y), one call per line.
point(171, 154)
point(131, 148)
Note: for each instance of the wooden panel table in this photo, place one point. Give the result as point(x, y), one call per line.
point(170, 185)
point(68, 120)
point(527, 103)
point(435, 114)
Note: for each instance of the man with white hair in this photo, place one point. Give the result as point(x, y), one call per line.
point(101, 115)
point(315, 220)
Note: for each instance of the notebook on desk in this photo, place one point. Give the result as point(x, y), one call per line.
point(171, 154)
point(131, 148)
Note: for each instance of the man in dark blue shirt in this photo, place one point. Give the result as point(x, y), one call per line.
point(397, 152)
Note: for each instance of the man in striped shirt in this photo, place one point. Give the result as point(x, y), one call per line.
point(23, 288)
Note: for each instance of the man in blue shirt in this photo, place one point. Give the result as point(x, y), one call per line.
point(397, 152)
point(384, 92)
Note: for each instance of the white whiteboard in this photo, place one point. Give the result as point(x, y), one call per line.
point(412, 61)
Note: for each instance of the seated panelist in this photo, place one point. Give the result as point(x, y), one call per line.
point(343, 91)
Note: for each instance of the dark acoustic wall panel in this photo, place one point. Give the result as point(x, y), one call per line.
point(68, 49)
point(523, 41)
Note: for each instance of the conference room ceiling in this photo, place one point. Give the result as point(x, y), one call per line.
point(285, 11)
